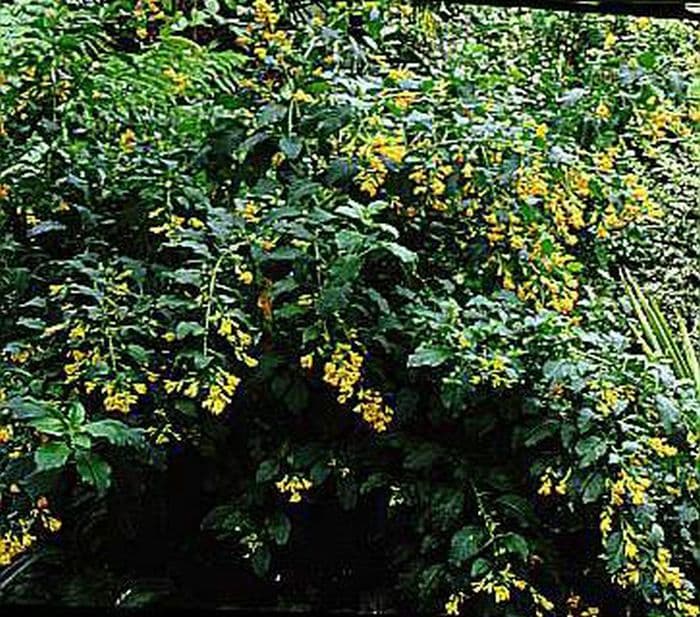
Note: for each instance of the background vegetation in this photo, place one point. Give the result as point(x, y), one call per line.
point(293, 293)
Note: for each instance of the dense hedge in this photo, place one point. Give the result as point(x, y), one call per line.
point(356, 253)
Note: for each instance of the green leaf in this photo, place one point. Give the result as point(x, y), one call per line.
point(261, 561)
point(94, 470)
point(515, 543)
point(647, 59)
point(76, 414)
point(593, 488)
point(518, 508)
point(291, 147)
point(480, 568)
point(297, 396)
point(428, 355)
point(137, 352)
point(279, 527)
point(31, 323)
point(591, 449)
point(466, 543)
point(541, 431)
point(24, 408)
point(267, 470)
point(407, 256)
point(51, 456)
point(115, 432)
point(185, 328)
point(49, 426)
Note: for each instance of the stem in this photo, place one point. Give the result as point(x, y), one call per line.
point(207, 313)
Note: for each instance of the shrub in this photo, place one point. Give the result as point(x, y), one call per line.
point(366, 251)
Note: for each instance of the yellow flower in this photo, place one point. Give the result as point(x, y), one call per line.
point(640, 193)
point(53, 524)
point(5, 433)
point(373, 410)
point(501, 593)
point(403, 100)
point(307, 361)
point(602, 111)
point(631, 550)
point(302, 97)
point(249, 361)
point(127, 140)
point(216, 400)
point(169, 337)
point(171, 386)
point(541, 131)
point(659, 445)
point(246, 277)
point(610, 40)
point(225, 327)
point(77, 332)
point(192, 390)
point(293, 485)
point(120, 401)
point(689, 610)
point(140, 388)
point(453, 603)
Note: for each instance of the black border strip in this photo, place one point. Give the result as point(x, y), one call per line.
point(660, 8)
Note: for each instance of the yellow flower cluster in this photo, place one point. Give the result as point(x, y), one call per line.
point(607, 399)
point(663, 120)
point(127, 140)
point(80, 359)
point(179, 80)
point(221, 392)
point(493, 370)
point(430, 182)
point(626, 483)
point(547, 483)
point(294, 485)
point(606, 522)
point(12, 545)
point(454, 602)
point(573, 605)
point(666, 574)
point(20, 357)
point(631, 574)
point(530, 183)
point(343, 370)
point(605, 161)
point(663, 449)
point(373, 409)
point(266, 42)
point(240, 340)
point(404, 99)
point(170, 228)
point(265, 14)
point(501, 585)
point(5, 433)
point(118, 400)
point(374, 154)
